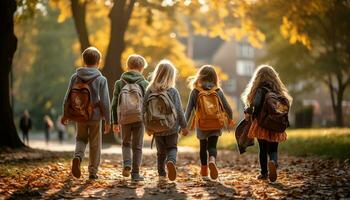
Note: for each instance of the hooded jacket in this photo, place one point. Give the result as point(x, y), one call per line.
point(99, 90)
point(130, 77)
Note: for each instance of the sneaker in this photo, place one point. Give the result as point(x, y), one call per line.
point(214, 173)
point(76, 167)
point(272, 171)
point(137, 177)
point(93, 177)
point(126, 171)
point(262, 177)
point(171, 170)
point(204, 170)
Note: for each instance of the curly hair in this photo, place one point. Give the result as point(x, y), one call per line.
point(264, 75)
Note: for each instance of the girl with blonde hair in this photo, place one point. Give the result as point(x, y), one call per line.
point(162, 89)
point(265, 79)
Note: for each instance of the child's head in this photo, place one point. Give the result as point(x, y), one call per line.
point(136, 62)
point(91, 57)
point(264, 75)
point(163, 76)
point(206, 74)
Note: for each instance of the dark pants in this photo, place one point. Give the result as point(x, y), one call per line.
point(47, 135)
point(25, 136)
point(208, 145)
point(166, 151)
point(267, 148)
point(60, 136)
point(132, 141)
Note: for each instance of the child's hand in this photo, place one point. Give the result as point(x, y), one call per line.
point(184, 131)
point(107, 128)
point(64, 121)
point(247, 116)
point(149, 133)
point(116, 129)
point(232, 123)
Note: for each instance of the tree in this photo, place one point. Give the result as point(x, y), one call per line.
point(322, 27)
point(8, 136)
point(212, 18)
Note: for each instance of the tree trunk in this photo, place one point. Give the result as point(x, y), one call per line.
point(337, 95)
point(119, 15)
point(79, 12)
point(8, 135)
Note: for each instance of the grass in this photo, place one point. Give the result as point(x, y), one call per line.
point(328, 143)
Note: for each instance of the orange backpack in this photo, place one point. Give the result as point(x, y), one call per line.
point(79, 106)
point(210, 113)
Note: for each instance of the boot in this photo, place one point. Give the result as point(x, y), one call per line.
point(213, 169)
point(272, 171)
point(76, 167)
point(204, 170)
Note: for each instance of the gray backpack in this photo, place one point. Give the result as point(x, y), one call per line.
point(130, 103)
point(160, 113)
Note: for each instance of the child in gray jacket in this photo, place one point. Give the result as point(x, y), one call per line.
point(163, 83)
point(88, 130)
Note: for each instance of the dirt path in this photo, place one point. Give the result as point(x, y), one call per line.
point(304, 178)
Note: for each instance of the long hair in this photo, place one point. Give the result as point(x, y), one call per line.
point(163, 76)
point(264, 75)
point(206, 74)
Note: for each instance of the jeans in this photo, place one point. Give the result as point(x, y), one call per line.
point(267, 148)
point(208, 145)
point(166, 151)
point(132, 141)
point(89, 132)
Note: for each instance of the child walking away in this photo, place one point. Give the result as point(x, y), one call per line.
point(212, 113)
point(127, 114)
point(267, 104)
point(163, 117)
point(86, 103)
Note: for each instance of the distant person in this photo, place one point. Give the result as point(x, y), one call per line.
point(127, 114)
point(212, 113)
point(25, 124)
point(48, 125)
point(87, 112)
point(164, 117)
point(267, 103)
point(61, 129)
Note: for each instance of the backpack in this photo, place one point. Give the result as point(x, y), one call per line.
point(79, 106)
point(130, 103)
point(210, 113)
point(160, 112)
point(274, 112)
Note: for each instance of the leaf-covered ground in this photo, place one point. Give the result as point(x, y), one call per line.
point(46, 175)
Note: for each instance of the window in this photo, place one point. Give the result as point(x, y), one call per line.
point(245, 67)
point(246, 50)
point(231, 85)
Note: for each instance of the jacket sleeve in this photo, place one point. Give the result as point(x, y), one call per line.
point(191, 104)
point(104, 96)
point(114, 112)
point(179, 111)
point(67, 92)
point(257, 101)
point(225, 104)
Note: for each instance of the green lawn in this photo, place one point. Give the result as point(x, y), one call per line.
point(329, 143)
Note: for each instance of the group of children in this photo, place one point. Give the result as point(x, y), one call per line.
point(155, 107)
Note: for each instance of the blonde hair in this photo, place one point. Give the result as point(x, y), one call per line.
point(206, 74)
point(264, 75)
point(163, 76)
point(136, 61)
point(91, 56)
